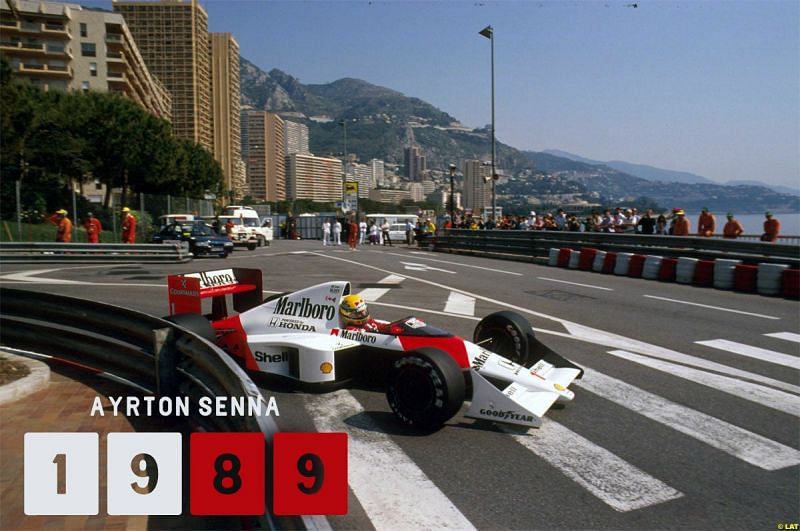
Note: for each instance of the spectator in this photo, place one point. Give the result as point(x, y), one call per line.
point(229, 226)
point(682, 226)
point(430, 228)
point(573, 225)
point(607, 223)
point(374, 238)
point(561, 219)
point(362, 231)
point(326, 232)
point(732, 229)
point(93, 228)
point(385, 233)
point(706, 224)
point(647, 223)
point(337, 232)
point(772, 227)
point(128, 226)
point(352, 234)
point(409, 232)
point(661, 225)
point(63, 226)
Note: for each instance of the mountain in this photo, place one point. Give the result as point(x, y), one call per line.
point(781, 189)
point(381, 122)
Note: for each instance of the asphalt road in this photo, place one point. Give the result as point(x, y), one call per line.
point(664, 432)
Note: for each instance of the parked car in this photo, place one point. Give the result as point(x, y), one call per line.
point(201, 238)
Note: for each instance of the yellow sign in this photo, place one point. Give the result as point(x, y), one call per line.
point(350, 187)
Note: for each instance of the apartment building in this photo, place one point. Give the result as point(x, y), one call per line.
point(477, 193)
point(296, 137)
point(414, 162)
point(315, 178)
point(173, 39)
point(59, 46)
point(226, 98)
point(266, 160)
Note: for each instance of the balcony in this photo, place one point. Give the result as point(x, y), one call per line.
point(22, 48)
point(48, 70)
point(116, 58)
point(113, 38)
point(52, 28)
point(58, 51)
point(10, 25)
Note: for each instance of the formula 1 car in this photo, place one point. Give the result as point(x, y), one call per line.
point(509, 376)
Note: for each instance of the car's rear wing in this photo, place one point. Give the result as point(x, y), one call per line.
point(186, 292)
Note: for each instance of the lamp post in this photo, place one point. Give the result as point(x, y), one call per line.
point(452, 197)
point(488, 32)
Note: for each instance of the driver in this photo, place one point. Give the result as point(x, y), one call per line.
point(355, 315)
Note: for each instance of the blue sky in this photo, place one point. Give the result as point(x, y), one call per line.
point(707, 87)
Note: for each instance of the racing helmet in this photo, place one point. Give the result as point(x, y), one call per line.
point(353, 310)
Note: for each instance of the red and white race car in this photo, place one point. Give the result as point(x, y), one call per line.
point(506, 373)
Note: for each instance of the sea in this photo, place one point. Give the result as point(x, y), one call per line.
point(754, 223)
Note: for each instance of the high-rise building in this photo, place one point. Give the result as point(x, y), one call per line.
point(476, 191)
point(376, 172)
point(266, 161)
point(226, 99)
point(296, 137)
point(244, 124)
point(360, 173)
point(414, 162)
point(59, 46)
point(173, 38)
point(315, 178)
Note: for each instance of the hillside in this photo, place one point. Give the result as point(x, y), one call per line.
point(379, 120)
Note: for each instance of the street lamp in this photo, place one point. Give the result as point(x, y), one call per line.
point(488, 32)
point(452, 200)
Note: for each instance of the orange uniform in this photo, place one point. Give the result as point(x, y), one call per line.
point(129, 229)
point(732, 229)
point(93, 229)
point(682, 227)
point(706, 224)
point(772, 227)
point(63, 227)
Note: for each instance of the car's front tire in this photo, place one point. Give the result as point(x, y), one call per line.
point(425, 389)
point(506, 333)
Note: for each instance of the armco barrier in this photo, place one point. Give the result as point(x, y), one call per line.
point(669, 268)
point(745, 278)
point(684, 273)
point(621, 265)
point(652, 267)
point(587, 258)
point(704, 273)
point(768, 280)
point(574, 259)
point(724, 273)
point(791, 284)
point(636, 265)
point(610, 262)
point(599, 261)
point(92, 252)
point(148, 353)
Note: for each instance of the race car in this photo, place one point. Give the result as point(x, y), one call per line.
point(427, 373)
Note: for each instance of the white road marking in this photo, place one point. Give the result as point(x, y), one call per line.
point(425, 310)
point(373, 294)
point(753, 352)
point(575, 283)
point(765, 396)
point(762, 316)
point(28, 276)
point(394, 492)
point(733, 440)
point(462, 265)
point(424, 267)
point(787, 336)
point(614, 481)
point(599, 337)
point(460, 304)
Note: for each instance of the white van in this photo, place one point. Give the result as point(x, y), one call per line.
point(249, 219)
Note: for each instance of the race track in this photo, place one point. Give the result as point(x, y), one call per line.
point(687, 416)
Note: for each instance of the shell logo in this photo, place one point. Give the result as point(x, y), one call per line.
point(326, 368)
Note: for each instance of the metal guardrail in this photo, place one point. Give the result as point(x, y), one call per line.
point(92, 252)
point(533, 245)
point(149, 352)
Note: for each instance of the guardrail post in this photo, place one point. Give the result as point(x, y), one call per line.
point(166, 360)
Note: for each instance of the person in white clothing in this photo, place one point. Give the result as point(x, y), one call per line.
point(326, 232)
point(337, 233)
point(362, 232)
point(373, 233)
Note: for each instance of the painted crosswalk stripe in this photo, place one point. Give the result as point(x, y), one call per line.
point(394, 492)
point(771, 398)
point(787, 336)
point(608, 339)
point(733, 440)
point(373, 294)
point(611, 479)
point(460, 303)
point(753, 352)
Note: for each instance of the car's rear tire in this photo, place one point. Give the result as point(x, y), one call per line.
point(425, 389)
point(194, 323)
point(508, 334)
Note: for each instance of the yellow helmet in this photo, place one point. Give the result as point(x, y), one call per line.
point(354, 310)
point(126, 209)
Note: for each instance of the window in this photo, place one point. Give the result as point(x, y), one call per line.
point(84, 31)
point(93, 69)
point(88, 49)
point(85, 86)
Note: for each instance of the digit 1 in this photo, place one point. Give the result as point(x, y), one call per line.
point(316, 471)
point(150, 472)
point(60, 461)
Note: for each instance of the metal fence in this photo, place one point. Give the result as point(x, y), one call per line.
point(532, 245)
point(93, 252)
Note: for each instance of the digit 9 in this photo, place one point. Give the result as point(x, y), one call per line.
point(311, 466)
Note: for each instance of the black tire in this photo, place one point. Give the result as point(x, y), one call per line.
point(194, 323)
point(425, 389)
point(509, 335)
point(262, 241)
point(251, 246)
